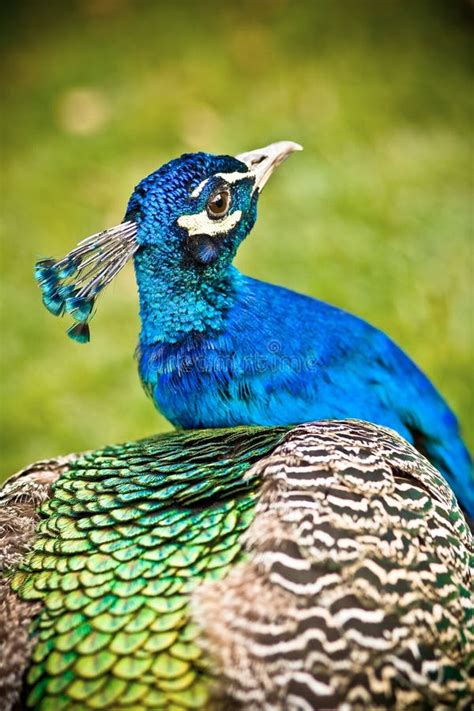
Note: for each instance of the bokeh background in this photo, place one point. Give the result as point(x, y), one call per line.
point(375, 216)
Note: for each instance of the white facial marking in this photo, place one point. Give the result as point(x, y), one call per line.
point(201, 224)
point(229, 178)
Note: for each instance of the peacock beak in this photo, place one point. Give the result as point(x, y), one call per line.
point(263, 161)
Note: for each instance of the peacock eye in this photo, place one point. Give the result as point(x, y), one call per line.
point(218, 204)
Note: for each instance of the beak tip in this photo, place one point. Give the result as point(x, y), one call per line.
point(296, 146)
point(263, 161)
point(283, 148)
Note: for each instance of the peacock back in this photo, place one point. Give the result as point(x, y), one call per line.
point(252, 568)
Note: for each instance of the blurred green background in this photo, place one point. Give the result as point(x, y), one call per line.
point(375, 216)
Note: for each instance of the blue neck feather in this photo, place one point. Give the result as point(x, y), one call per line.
point(181, 303)
point(240, 355)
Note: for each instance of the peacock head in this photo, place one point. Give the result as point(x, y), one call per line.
point(186, 218)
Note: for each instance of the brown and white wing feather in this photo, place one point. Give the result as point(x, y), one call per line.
point(357, 590)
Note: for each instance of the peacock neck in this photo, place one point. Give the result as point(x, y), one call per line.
point(177, 302)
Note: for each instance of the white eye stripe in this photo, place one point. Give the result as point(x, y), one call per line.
point(201, 224)
point(229, 178)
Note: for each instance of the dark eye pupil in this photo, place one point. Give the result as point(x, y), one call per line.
point(218, 204)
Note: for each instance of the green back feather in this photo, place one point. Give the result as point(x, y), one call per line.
point(129, 532)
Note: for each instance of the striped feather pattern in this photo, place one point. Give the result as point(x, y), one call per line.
point(357, 590)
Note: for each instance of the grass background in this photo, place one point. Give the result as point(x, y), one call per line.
point(375, 216)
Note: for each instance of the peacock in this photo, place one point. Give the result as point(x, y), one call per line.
point(322, 566)
point(289, 546)
point(220, 349)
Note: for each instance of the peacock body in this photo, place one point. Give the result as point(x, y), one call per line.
point(323, 566)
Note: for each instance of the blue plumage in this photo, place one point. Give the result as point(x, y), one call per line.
point(220, 349)
point(262, 370)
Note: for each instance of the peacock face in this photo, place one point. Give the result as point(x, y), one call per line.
point(185, 219)
point(196, 210)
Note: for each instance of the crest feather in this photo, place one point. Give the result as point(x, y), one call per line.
point(72, 284)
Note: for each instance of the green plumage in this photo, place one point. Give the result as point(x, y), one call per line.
point(127, 535)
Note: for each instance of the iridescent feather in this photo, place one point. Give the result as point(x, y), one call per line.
point(254, 568)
